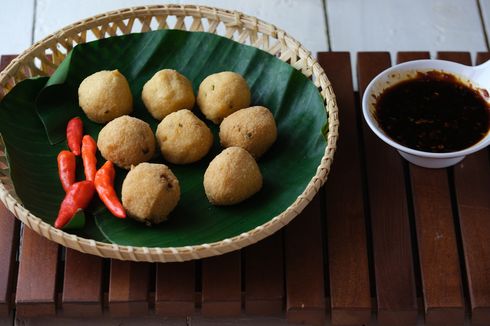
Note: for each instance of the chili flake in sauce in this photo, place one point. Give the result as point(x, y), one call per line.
point(433, 112)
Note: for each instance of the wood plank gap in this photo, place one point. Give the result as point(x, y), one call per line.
point(327, 25)
point(152, 285)
point(60, 272)
point(459, 239)
point(243, 265)
point(365, 191)
point(284, 286)
point(483, 24)
point(198, 283)
point(324, 236)
point(34, 21)
point(413, 228)
point(106, 275)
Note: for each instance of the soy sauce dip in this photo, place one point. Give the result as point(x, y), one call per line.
point(433, 112)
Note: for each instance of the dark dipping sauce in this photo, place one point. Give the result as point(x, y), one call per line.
point(433, 112)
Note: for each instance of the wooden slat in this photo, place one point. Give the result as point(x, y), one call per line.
point(393, 265)
point(409, 56)
point(82, 284)
point(9, 240)
point(439, 261)
point(264, 277)
point(472, 182)
point(5, 60)
point(350, 297)
point(221, 285)
point(436, 237)
point(304, 267)
point(36, 283)
point(128, 288)
point(482, 57)
point(175, 289)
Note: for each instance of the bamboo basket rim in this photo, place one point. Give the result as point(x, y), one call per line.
point(34, 61)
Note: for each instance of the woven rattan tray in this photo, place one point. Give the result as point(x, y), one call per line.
point(43, 58)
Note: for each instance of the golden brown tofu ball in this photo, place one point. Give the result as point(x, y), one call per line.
point(252, 129)
point(183, 138)
point(126, 141)
point(231, 177)
point(150, 192)
point(166, 92)
point(105, 96)
point(222, 94)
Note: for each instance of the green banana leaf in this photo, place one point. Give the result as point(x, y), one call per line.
point(34, 114)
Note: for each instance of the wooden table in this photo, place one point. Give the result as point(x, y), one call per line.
point(383, 240)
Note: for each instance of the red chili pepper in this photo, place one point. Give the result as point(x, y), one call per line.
point(66, 169)
point(89, 148)
point(77, 198)
point(104, 184)
point(74, 133)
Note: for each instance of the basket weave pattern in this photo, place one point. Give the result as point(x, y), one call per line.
point(45, 56)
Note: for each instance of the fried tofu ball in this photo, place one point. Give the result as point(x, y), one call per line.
point(183, 138)
point(126, 141)
point(105, 96)
point(150, 192)
point(231, 177)
point(252, 129)
point(222, 94)
point(166, 92)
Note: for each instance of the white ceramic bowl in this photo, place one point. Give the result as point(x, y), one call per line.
point(475, 77)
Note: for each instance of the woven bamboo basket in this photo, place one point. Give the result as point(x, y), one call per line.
point(44, 57)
